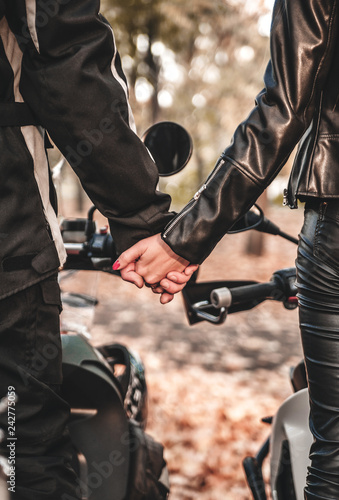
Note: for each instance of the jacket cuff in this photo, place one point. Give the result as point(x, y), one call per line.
point(227, 195)
point(129, 230)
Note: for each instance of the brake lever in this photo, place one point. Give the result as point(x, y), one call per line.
point(201, 314)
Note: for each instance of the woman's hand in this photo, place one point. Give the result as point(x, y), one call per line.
point(152, 261)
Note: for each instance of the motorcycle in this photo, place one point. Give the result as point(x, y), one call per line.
point(106, 387)
point(101, 401)
point(115, 459)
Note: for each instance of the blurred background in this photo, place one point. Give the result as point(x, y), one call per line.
point(200, 63)
point(197, 62)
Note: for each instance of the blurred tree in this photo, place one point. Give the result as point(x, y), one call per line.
point(140, 24)
point(198, 62)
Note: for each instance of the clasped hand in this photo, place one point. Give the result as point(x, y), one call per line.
point(151, 261)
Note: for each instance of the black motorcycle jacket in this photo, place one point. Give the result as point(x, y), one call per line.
point(60, 72)
point(299, 104)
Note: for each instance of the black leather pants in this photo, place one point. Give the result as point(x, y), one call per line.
point(318, 291)
point(36, 443)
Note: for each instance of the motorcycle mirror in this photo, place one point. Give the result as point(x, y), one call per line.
point(255, 219)
point(251, 220)
point(170, 146)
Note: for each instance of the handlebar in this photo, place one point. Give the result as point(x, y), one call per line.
point(225, 297)
point(212, 301)
point(86, 248)
point(281, 288)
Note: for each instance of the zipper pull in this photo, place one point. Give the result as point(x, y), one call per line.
point(285, 200)
point(198, 193)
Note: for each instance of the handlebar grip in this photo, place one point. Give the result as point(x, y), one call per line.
point(221, 297)
point(225, 297)
point(74, 248)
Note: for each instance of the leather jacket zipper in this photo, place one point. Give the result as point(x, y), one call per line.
point(179, 217)
point(298, 170)
point(194, 200)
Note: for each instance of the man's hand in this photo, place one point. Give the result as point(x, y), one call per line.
point(152, 261)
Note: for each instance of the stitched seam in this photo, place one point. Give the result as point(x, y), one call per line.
point(239, 167)
point(322, 211)
point(242, 169)
point(315, 138)
point(323, 57)
point(329, 136)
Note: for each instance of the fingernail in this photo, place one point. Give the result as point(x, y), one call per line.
point(116, 265)
point(165, 284)
point(173, 278)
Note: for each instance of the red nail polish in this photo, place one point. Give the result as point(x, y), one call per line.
point(116, 265)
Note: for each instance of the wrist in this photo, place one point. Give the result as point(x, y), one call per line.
point(171, 253)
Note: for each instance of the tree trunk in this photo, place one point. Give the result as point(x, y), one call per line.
point(255, 240)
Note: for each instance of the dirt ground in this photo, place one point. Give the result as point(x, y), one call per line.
point(209, 386)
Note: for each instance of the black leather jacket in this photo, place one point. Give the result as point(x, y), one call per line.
point(299, 104)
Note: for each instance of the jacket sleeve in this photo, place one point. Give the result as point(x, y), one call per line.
point(73, 81)
point(303, 35)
